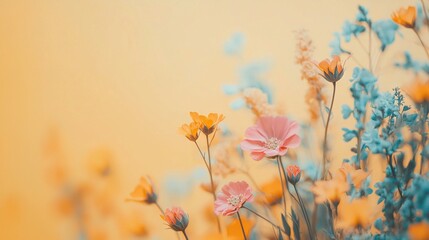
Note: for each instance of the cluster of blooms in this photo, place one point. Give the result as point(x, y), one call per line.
point(341, 203)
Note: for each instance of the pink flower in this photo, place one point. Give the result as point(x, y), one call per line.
point(271, 137)
point(232, 197)
point(176, 218)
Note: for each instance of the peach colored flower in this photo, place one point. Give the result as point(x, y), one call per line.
point(144, 192)
point(190, 131)
point(293, 174)
point(331, 190)
point(271, 137)
point(405, 17)
point(419, 231)
point(332, 69)
point(176, 218)
point(355, 214)
point(208, 123)
point(272, 192)
point(357, 176)
point(232, 197)
point(257, 101)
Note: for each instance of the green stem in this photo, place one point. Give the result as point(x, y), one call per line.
point(241, 225)
point(265, 219)
point(279, 165)
point(211, 179)
point(184, 234)
point(423, 133)
point(159, 207)
point(304, 212)
point(389, 160)
point(325, 139)
point(421, 41)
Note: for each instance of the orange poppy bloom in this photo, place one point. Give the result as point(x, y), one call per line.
point(418, 91)
point(144, 192)
point(190, 131)
point(357, 176)
point(234, 228)
point(208, 123)
point(357, 213)
point(419, 231)
point(332, 69)
point(331, 190)
point(405, 17)
point(272, 192)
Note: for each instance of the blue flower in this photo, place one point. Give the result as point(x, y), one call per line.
point(386, 31)
point(335, 45)
point(362, 15)
point(350, 29)
point(346, 111)
point(234, 45)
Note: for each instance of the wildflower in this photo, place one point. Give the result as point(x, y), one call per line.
point(355, 214)
point(190, 131)
point(144, 192)
point(207, 124)
point(386, 31)
point(350, 29)
point(234, 229)
point(418, 91)
point(332, 69)
point(331, 190)
point(176, 218)
point(357, 176)
point(419, 231)
point(272, 192)
point(257, 101)
point(293, 174)
point(271, 137)
point(405, 17)
point(232, 197)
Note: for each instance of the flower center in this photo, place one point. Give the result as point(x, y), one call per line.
point(234, 200)
point(272, 143)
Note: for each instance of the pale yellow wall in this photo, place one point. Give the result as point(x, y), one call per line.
point(124, 75)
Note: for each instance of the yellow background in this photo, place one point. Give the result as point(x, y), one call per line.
point(123, 75)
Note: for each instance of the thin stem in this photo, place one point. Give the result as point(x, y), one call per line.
point(184, 234)
point(389, 160)
point(370, 48)
point(423, 133)
point(325, 142)
point(211, 179)
point(202, 155)
point(241, 225)
point(421, 41)
point(304, 212)
point(424, 11)
point(279, 165)
point(159, 207)
point(265, 219)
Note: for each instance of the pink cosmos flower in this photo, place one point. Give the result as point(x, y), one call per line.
point(232, 197)
point(176, 218)
point(271, 137)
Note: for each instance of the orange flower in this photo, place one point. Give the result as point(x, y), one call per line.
point(405, 17)
point(332, 69)
point(144, 192)
point(208, 123)
point(358, 213)
point(272, 192)
point(293, 174)
point(419, 231)
point(357, 176)
point(331, 190)
point(234, 228)
point(418, 91)
point(190, 131)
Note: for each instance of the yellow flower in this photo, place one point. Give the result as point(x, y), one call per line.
point(144, 192)
point(208, 123)
point(190, 131)
point(419, 231)
point(331, 190)
point(405, 17)
point(332, 69)
point(418, 91)
point(355, 214)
